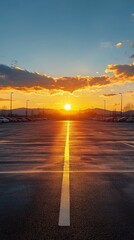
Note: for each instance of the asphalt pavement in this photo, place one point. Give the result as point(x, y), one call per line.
point(67, 180)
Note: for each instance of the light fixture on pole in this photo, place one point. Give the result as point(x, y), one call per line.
point(11, 100)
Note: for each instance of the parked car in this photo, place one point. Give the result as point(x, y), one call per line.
point(130, 119)
point(4, 120)
point(122, 119)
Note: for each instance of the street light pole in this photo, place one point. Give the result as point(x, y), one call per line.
point(11, 100)
point(27, 108)
point(104, 108)
point(121, 103)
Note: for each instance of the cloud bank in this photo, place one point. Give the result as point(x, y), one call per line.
point(20, 79)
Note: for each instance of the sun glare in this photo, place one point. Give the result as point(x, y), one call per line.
point(67, 107)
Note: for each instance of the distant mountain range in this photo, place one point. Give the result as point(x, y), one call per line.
point(63, 114)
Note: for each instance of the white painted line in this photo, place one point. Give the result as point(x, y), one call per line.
point(22, 143)
point(64, 215)
point(74, 171)
point(128, 144)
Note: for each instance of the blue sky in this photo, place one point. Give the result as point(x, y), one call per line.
point(85, 46)
point(66, 37)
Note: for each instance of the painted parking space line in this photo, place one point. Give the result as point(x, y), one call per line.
point(22, 143)
point(64, 214)
point(128, 144)
point(58, 171)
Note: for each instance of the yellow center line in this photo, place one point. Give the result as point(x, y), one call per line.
point(64, 215)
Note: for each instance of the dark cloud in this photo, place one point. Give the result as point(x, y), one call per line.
point(110, 94)
point(132, 56)
point(124, 71)
point(20, 79)
point(17, 78)
point(115, 94)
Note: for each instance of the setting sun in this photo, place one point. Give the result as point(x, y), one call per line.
point(67, 107)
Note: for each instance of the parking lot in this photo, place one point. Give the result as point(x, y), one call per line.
point(66, 180)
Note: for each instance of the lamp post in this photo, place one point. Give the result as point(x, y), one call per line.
point(11, 100)
point(104, 108)
point(27, 108)
point(121, 103)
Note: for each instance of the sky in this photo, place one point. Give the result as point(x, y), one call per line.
point(54, 52)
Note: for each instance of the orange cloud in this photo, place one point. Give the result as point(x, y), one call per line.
point(119, 44)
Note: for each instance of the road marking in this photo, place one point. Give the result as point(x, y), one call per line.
point(128, 144)
point(64, 215)
point(22, 143)
point(73, 171)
